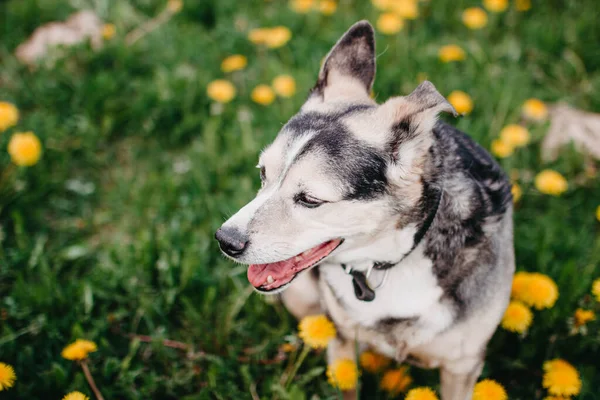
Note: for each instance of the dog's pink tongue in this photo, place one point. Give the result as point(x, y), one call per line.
point(273, 275)
point(258, 274)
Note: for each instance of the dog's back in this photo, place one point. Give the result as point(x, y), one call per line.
point(471, 246)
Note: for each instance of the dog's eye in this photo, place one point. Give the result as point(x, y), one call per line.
point(307, 201)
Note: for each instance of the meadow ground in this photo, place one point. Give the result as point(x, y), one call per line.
point(109, 236)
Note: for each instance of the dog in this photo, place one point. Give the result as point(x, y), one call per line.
point(394, 224)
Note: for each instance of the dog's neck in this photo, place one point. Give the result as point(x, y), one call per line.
point(363, 287)
point(392, 244)
point(389, 245)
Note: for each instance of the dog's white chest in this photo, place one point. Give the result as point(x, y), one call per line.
point(410, 290)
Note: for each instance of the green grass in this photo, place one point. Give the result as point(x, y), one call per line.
point(112, 231)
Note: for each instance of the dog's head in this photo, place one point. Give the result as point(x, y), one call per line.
point(340, 172)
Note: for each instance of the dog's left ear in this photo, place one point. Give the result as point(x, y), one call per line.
point(426, 99)
point(349, 69)
point(413, 116)
point(412, 119)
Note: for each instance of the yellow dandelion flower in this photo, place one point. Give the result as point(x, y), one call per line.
point(517, 317)
point(535, 110)
point(108, 31)
point(501, 148)
point(596, 289)
point(342, 374)
point(234, 63)
point(278, 37)
point(514, 174)
point(407, 9)
point(258, 35)
point(422, 393)
point(74, 353)
point(174, 6)
point(9, 115)
point(301, 6)
point(262, 94)
point(561, 378)
point(496, 6)
point(316, 331)
point(373, 362)
point(582, 317)
point(327, 7)
point(541, 292)
point(556, 398)
point(271, 37)
point(221, 91)
point(75, 396)
point(389, 23)
point(287, 347)
point(79, 349)
point(395, 381)
point(523, 5)
point(551, 182)
point(25, 149)
point(383, 5)
point(488, 389)
point(87, 345)
point(474, 18)
point(451, 52)
point(461, 102)
point(517, 192)
point(515, 135)
point(598, 213)
point(284, 85)
point(520, 285)
point(7, 376)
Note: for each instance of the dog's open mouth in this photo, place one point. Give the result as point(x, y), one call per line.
point(267, 277)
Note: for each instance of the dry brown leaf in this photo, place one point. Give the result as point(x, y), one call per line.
point(570, 125)
point(79, 27)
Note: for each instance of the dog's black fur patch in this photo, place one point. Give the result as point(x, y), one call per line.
point(391, 323)
point(361, 167)
point(455, 243)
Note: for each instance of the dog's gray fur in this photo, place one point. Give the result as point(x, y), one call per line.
point(384, 170)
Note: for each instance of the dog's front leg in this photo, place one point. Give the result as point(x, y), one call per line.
point(302, 298)
point(338, 349)
point(407, 335)
point(401, 352)
point(458, 378)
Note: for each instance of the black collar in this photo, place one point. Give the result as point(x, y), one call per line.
point(362, 289)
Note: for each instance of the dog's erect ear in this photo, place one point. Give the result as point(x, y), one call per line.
point(426, 98)
point(414, 115)
point(349, 68)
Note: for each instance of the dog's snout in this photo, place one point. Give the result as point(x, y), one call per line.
point(231, 241)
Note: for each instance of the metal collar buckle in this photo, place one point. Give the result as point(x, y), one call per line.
point(360, 281)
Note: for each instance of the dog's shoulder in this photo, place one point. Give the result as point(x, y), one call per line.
point(477, 167)
point(475, 215)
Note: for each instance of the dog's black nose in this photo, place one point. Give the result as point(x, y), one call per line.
point(231, 241)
